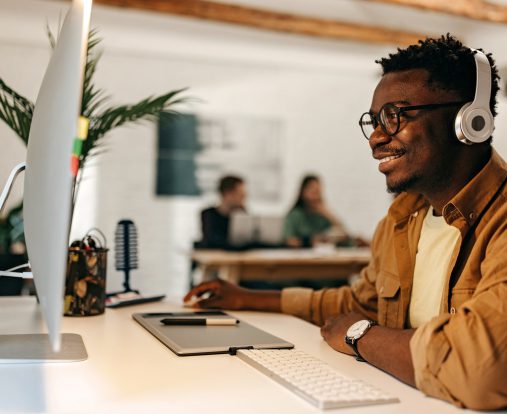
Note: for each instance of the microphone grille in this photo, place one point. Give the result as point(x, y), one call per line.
point(125, 238)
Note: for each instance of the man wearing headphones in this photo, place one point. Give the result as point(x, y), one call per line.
point(431, 307)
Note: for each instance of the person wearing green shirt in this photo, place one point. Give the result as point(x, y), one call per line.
point(310, 222)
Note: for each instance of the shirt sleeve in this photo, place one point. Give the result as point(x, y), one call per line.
point(462, 357)
point(317, 306)
point(290, 225)
point(206, 226)
point(212, 231)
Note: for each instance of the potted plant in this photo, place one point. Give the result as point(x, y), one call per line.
point(16, 110)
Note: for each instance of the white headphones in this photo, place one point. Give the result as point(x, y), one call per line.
point(474, 122)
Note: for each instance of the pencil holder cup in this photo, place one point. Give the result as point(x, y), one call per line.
point(85, 285)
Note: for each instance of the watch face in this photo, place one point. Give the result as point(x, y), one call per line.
point(358, 329)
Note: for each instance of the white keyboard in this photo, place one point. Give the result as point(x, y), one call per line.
point(313, 379)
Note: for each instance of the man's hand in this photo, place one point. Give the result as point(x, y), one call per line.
point(335, 328)
point(219, 294)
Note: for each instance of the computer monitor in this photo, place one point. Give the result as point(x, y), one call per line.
point(47, 198)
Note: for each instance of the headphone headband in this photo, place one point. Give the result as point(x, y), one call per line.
point(483, 80)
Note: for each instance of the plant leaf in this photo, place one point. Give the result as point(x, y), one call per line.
point(16, 111)
point(113, 117)
point(93, 98)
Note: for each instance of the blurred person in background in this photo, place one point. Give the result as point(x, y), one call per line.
point(310, 221)
point(215, 220)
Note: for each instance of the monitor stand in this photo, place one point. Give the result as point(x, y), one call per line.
point(36, 348)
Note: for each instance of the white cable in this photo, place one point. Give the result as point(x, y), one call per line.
point(10, 181)
point(23, 275)
point(18, 267)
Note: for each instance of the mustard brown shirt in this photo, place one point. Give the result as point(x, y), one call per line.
point(461, 354)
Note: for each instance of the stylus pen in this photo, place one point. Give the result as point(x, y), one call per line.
point(200, 321)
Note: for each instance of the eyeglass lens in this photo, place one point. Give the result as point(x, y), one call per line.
point(388, 117)
point(368, 124)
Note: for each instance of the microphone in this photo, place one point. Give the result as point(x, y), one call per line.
point(125, 239)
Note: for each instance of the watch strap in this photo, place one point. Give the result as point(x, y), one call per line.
point(359, 357)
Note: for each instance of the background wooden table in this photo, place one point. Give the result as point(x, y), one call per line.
point(281, 264)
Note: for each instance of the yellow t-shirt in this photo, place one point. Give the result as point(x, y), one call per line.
point(434, 252)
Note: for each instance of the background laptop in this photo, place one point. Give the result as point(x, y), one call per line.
point(247, 229)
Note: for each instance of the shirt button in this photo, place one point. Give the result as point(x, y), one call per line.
point(471, 215)
point(415, 214)
point(382, 289)
point(453, 310)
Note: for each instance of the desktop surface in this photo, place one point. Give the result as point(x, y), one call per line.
point(130, 371)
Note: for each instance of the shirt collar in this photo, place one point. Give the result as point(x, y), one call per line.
point(474, 197)
point(470, 201)
point(406, 204)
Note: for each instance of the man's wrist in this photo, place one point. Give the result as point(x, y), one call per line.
point(362, 345)
point(270, 301)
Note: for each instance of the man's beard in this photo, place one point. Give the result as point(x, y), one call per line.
point(437, 181)
point(402, 185)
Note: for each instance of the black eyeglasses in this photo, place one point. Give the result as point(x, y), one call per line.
point(389, 117)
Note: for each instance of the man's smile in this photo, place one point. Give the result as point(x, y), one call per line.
point(387, 159)
point(390, 158)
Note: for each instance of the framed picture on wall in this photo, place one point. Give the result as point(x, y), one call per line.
point(194, 151)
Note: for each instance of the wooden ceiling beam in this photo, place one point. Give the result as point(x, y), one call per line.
point(270, 20)
point(473, 9)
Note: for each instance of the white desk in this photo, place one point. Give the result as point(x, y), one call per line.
point(130, 371)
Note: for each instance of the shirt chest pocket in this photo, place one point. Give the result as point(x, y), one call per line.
point(460, 296)
point(388, 288)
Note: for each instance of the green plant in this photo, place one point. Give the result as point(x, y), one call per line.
point(16, 111)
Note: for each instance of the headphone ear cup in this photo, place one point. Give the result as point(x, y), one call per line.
point(458, 125)
point(473, 125)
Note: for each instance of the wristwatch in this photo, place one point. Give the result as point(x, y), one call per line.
point(356, 332)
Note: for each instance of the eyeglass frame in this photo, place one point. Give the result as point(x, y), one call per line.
point(399, 111)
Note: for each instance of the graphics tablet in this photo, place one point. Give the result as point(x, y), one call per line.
point(203, 340)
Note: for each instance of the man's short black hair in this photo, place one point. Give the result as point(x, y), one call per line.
point(451, 66)
point(229, 183)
